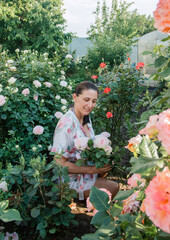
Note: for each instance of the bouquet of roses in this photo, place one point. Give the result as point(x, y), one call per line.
point(93, 151)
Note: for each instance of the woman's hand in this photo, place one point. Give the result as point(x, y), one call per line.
point(101, 170)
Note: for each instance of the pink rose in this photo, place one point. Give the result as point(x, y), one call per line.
point(58, 115)
point(36, 97)
point(163, 126)
point(151, 127)
point(90, 206)
point(157, 201)
point(37, 83)
point(81, 143)
point(26, 92)
point(161, 16)
point(132, 181)
point(2, 100)
point(101, 142)
point(38, 130)
point(130, 204)
point(48, 84)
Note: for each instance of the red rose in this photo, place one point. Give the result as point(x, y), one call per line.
point(107, 90)
point(102, 65)
point(140, 65)
point(94, 77)
point(109, 114)
point(129, 59)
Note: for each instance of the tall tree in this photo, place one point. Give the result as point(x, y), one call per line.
point(114, 31)
point(33, 24)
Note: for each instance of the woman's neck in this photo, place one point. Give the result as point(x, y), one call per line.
point(79, 115)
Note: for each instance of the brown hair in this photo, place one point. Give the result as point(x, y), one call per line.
point(85, 85)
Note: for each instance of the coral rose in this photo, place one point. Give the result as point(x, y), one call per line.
point(133, 143)
point(157, 201)
point(38, 130)
point(161, 16)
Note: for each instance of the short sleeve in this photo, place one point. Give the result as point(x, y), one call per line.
point(63, 138)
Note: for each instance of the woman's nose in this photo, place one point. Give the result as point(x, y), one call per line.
point(90, 104)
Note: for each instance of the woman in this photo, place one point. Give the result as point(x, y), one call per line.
point(75, 124)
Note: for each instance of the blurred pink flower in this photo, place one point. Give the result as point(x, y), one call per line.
point(2, 100)
point(37, 84)
point(48, 84)
point(58, 115)
point(11, 236)
point(36, 97)
point(3, 186)
point(26, 92)
point(151, 127)
point(101, 142)
point(81, 143)
point(162, 16)
point(157, 201)
point(163, 126)
point(130, 204)
point(90, 206)
point(38, 130)
point(134, 142)
point(105, 134)
point(132, 181)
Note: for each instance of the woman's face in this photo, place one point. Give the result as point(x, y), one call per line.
point(86, 101)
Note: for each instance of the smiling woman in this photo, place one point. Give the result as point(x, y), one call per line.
point(76, 124)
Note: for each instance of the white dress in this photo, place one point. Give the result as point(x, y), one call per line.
point(67, 130)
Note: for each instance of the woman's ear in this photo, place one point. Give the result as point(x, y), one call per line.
point(74, 96)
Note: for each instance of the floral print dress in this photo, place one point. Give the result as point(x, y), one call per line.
point(67, 131)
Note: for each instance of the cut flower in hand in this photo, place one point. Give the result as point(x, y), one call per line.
point(95, 151)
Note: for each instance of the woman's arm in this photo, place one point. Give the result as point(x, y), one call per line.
point(73, 168)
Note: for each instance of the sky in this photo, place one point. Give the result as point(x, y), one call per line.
point(79, 13)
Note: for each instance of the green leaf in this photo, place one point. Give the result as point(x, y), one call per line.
point(98, 155)
point(99, 218)
point(3, 205)
point(15, 171)
point(147, 148)
point(35, 212)
point(43, 233)
point(144, 165)
point(165, 73)
point(90, 143)
point(52, 231)
point(161, 61)
point(99, 199)
point(10, 215)
point(121, 195)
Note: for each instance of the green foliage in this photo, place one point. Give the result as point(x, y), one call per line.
point(40, 191)
point(8, 215)
point(114, 31)
point(20, 114)
point(32, 24)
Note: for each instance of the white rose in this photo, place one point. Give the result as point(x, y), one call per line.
point(3, 186)
point(12, 80)
point(49, 63)
point(57, 97)
point(34, 149)
point(48, 84)
point(62, 77)
point(45, 54)
point(37, 83)
point(63, 83)
point(17, 50)
point(62, 72)
point(49, 148)
point(13, 68)
point(25, 51)
point(10, 61)
point(16, 146)
point(2, 100)
point(70, 87)
point(63, 101)
point(0, 85)
point(63, 108)
point(14, 90)
point(68, 56)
